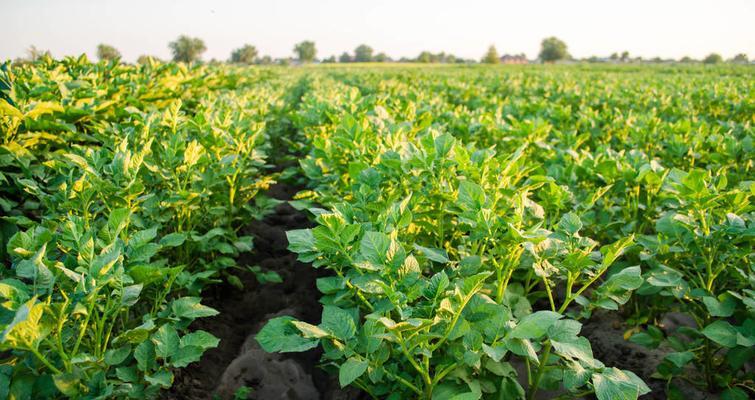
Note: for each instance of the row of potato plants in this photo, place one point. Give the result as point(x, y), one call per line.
point(473, 218)
point(123, 191)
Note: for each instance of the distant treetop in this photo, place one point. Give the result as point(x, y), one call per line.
point(187, 49)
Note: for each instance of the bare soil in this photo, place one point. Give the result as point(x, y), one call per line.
point(238, 361)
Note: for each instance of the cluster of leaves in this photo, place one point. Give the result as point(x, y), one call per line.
point(124, 189)
point(443, 245)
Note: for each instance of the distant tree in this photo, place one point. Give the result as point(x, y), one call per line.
point(624, 56)
point(686, 59)
point(381, 57)
point(363, 53)
point(713, 58)
point(264, 60)
point(107, 52)
point(425, 57)
point(329, 60)
point(450, 58)
point(305, 51)
point(345, 58)
point(187, 49)
point(246, 54)
point(491, 57)
point(34, 54)
point(614, 56)
point(145, 59)
point(553, 49)
point(740, 58)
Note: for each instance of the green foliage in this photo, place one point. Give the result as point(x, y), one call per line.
point(471, 219)
point(456, 257)
point(305, 51)
point(107, 53)
point(363, 53)
point(187, 49)
point(246, 54)
point(553, 49)
point(122, 196)
point(491, 57)
point(713, 58)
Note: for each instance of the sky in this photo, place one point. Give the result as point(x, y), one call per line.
point(400, 28)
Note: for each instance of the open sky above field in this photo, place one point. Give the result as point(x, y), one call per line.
point(647, 28)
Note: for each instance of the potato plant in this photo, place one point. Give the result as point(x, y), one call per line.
point(124, 190)
point(541, 203)
point(471, 221)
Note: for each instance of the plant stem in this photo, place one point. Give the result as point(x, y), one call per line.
point(43, 360)
point(540, 371)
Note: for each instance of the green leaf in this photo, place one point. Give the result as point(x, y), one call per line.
point(203, 340)
point(680, 359)
point(43, 107)
point(104, 261)
point(570, 224)
point(374, 247)
point(145, 356)
point(166, 341)
point(279, 335)
point(578, 349)
point(142, 237)
point(189, 307)
point(612, 251)
point(575, 376)
point(651, 339)
point(722, 333)
point(496, 351)
point(130, 295)
point(162, 378)
point(564, 330)
point(535, 325)
point(300, 240)
point(24, 329)
point(436, 285)
point(339, 322)
point(471, 195)
point(615, 384)
point(185, 355)
point(117, 220)
point(432, 254)
point(724, 308)
point(351, 370)
point(117, 356)
point(136, 335)
point(173, 239)
point(192, 154)
point(330, 284)
point(734, 393)
point(309, 330)
point(523, 348)
point(127, 374)
point(67, 383)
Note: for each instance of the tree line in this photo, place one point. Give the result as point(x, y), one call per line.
point(552, 49)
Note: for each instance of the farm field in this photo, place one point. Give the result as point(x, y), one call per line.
point(398, 232)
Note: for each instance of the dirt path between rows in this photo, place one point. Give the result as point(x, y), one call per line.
point(238, 361)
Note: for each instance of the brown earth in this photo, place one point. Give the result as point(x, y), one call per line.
point(238, 361)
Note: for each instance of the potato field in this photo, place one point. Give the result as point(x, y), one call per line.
point(376, 231)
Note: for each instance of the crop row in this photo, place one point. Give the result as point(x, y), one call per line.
point(473, 218)
point(123, 191)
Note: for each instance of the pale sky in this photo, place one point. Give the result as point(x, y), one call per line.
point(401, 28)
